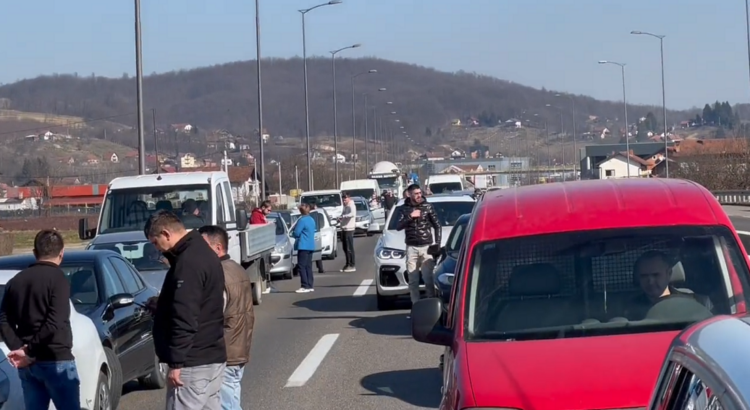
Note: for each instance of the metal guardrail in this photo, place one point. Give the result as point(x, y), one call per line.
point(733, 197)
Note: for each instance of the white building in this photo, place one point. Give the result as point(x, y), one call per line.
point(616, 166)
point(14, 204)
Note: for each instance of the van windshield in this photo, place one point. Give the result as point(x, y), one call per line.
point(128, 210)
point(366, 193)
point(602, 282)
point(445, 187)
point(326, 200)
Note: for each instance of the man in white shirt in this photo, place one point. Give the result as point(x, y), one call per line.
point(348, 224)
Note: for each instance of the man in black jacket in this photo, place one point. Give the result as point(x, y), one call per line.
point(418, 219)
point(189, 318)
point(35, 325)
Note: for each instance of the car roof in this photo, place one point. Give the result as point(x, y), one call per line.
point(7, 274)
point(594, 204)
point(163, 180)
point(69, 257)
point(117, 237)
point(322, 192)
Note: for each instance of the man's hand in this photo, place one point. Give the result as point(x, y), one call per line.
point(415, 213)
point(173, 378)
point(19, 359)
point(151, 304)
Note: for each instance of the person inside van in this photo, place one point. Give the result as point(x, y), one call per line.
point(653, 273)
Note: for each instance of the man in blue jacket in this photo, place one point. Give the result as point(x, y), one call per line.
point(304, 235)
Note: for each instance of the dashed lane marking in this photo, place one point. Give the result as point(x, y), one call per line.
point(310, 364)
point(362, 288)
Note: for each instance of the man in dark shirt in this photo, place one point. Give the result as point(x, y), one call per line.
point(189, 315)
point(35, 325)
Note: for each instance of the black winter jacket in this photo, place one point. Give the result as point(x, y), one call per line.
point(419, 230)
point(189, 322)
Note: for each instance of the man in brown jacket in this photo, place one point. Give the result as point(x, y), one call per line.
point(238, 317)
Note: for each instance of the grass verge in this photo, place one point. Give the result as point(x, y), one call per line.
point(25, 239)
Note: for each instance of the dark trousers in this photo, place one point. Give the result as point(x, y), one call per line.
point(58, 382)
point(304, 262)
point(347, 242)
point(319, 265)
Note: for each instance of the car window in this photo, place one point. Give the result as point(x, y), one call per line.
point(447, 212)
point(279, 225)
point(586, 282)
point(691, 393)
point(142, 254)
point(228, 190)
point(220, 219)
point(361, 206)
point(445, 187)
point(323, 200)
point(456, 237)
point(112, 282)
point(132, 284)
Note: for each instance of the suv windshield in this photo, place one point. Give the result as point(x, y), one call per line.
point(602, 282)
point(361, 206)
point(127, 210)
point(142, 254)
point(447, 212)
point(445, 187)
point(323, 200)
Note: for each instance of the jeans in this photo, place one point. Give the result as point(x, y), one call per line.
point(304, 261)
point(55, 381)
point(347, 242)
point(419, 262)
point(201, 388)
point(231, 387)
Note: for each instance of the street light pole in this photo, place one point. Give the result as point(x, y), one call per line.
point(139, 91)
point(625, 103)
point(575, 134)
point(304, 12)
point(664, 92)
point(335, 110)
point(367, 139)
point(260, 109)
point(354, 121)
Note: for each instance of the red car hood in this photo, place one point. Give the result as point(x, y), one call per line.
point(606, 372)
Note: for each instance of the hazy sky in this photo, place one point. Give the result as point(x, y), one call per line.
point(550, 43)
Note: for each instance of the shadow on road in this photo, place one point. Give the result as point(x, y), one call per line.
point(338, 304)
point(417, 387)
point(387, 325)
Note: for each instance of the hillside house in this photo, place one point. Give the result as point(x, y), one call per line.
point(617, 166)
point(188, 161)
point(92, 160)
point(112, 157)
point(182, 128)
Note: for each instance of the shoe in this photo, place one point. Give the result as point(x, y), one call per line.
point(310, 290)
point(350, 269)
point(301, 290)
point(344, 268)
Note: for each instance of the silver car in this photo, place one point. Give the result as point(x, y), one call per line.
point(281, 258)
point(364, 217)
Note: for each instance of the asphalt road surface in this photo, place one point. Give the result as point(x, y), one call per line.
point(330, 349)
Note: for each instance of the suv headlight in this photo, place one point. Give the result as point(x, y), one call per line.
point(446, 279)
point(281, 247)
point(388, 253)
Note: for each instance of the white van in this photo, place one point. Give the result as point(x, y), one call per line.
point(329, 199)
point(438, 184)
point(367, 188)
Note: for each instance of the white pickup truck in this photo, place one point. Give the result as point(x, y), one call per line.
point(200, 198)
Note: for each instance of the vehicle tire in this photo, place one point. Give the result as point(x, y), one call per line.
point(115, 377)
point(257, 292)
point(385, 302)
point(103, 399)
point(157, 379)
point(369, 233)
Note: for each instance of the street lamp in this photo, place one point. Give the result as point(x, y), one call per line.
point(575, 133)
point(139, 91)
point(278, 163)
point(664, 93)
point(304, 12)
point(260, 106)
point(335, 110)
point(625, 103)
point(354, 121)
point(367, 144)
point(562, 131)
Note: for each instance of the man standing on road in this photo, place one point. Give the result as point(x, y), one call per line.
point(258, 216)
point(189, 319)
point(313, 206)
point(35, 325)
point(348, 224)
point(239, 317)
point(418, 219)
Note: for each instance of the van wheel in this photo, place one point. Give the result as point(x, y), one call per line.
point(102, 401)
point(115, 377)
point(385, 302)
point(157, 379)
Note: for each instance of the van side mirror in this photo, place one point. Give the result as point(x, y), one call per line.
point(84, 232)
point(242, 219)
point(121, 300)
point(427, 325)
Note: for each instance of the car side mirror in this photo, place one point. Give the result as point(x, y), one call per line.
point(426, 323)
point(121, 300)
point(84, 232)
point(242, 219)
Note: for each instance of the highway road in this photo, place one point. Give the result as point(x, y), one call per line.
point(330, 349)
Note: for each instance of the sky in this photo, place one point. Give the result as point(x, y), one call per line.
point(541, 43)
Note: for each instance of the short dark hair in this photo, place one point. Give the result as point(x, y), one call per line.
point(650, 255)
point(345, 195)
point(189, 206)
point(160, 221)
point(216, 234)
point(48, 243)
point(266, 204)
point(413, 187)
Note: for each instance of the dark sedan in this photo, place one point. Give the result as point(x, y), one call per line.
point(108, 289)
point(136, 249)
point(446, 268)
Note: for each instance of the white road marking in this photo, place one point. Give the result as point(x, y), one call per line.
point(745, 233)
point(310, 364)
point(362, 288)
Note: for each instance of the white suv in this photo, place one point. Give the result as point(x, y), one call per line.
point(390, 251)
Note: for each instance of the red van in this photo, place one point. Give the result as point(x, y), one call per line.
point(567, 295)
